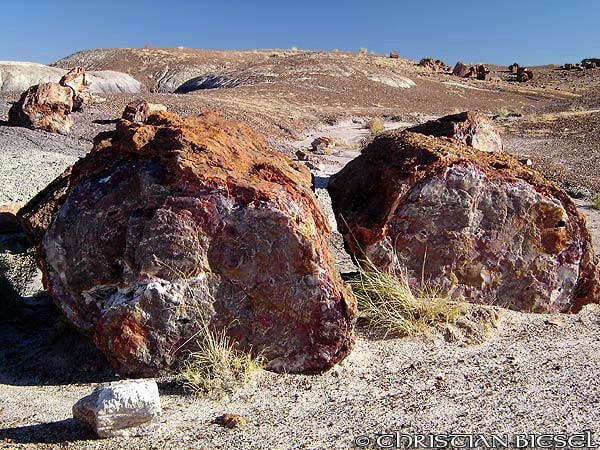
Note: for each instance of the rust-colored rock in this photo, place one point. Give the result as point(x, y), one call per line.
point(139, 110)
point(474, 129)
point(463, 71)
point(478, 225)
point(176, 223)
point(436, 65)
point(44, 106)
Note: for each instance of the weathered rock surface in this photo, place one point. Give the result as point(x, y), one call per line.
point(17, 76)
point(474, 129)
point(176, 223)
point(437, 65)
point(122, 408)
point(45, 107)
point(478, 225)
point(139, 110)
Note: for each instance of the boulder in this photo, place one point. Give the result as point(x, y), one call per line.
point(436, 65)
point(394, 55)
point(139, 110)
point(176, 226)
point(471, 128)
point(524, 74)
point(121, 408)
point(477, 225)
point(44, 106)
point(513, 68)
point(462, 70)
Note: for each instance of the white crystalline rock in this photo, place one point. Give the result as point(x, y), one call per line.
point(122, 408)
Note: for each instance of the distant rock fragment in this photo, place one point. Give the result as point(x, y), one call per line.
point(75, 80)
point(139, 110)
point(122, 408)
point(463, 71)
point(436, 65)
point(45, 107)
point(477, 225)
point(322, 143)
point(483, 73)
point(473, 129)
point(176, 224)
point(524, 74)
point(232, 420)
point(394, 55)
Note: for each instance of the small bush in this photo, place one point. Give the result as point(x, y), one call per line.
point(217, 368)
point(596, 204)
point(362, 51)
point(375, 125)
point(390, 307)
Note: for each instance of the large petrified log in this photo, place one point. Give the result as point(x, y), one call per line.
point(478, 225)
point(474, 129)
point(44, 106)
point(176, 223)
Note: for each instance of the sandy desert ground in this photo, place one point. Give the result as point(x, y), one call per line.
point(526, 373)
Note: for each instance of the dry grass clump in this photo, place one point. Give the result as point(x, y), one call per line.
point(217, 368)
point(390, 307)
point(596, 204)
point(375, 125)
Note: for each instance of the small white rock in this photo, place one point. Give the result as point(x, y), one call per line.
point(121, 408)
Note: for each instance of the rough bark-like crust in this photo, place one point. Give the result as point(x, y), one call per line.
point(174, 222)
point(479, 225)
point(474, 129)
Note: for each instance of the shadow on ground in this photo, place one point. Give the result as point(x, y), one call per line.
point(37, 347)
point(46, 433)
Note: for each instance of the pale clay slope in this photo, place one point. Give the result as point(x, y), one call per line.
point(17, 76)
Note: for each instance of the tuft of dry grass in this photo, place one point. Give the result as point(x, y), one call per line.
point(217, 368)
point(390, 307)
point(596, 204)
point(375, 125)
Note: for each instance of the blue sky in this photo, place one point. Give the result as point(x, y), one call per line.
point(527, 31)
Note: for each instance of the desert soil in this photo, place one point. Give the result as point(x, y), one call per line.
point(532, 373)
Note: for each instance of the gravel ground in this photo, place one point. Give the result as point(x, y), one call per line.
point(530, 376)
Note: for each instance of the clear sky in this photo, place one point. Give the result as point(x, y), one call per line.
point(526, 31)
